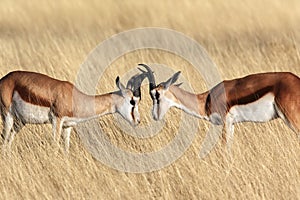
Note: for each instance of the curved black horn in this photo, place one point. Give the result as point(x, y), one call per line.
point(151, 78)
point(135, 82)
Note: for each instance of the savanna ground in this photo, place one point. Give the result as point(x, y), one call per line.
point(242, 37)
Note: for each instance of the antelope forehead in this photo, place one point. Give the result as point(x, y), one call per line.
point(153, 92)
point(136, 99)
point(169, 95)
point(160, 86)
point(129, 92)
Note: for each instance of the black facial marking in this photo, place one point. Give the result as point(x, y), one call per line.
point(152, 96)
point(157, 97)
point(132, 102)
point(132, 111)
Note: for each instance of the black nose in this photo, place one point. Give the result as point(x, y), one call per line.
point(138, 121)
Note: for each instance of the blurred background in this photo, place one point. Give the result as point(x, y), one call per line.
point(242, 37)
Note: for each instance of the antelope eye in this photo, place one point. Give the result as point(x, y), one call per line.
point(132, 102)
point(157, 95)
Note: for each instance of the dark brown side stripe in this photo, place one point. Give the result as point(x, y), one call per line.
point(217, 103)
point(251, 97)
point(31, 97)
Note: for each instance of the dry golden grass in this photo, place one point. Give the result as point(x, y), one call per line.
point(54, 37)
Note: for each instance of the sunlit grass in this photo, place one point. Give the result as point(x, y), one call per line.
point(241, 37)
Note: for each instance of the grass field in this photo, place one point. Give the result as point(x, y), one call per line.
point(242, 37)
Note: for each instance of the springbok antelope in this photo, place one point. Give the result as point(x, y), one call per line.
point(29, 97)
point(255, 98)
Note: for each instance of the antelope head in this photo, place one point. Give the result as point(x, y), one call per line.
point(162, 98)
point(129, 98)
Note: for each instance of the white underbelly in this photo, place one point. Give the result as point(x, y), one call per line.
point(261, 110)
point(29, 113)
point(73, 121)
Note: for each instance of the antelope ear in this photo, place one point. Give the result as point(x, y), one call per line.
point(172, 80)
point(178, 84)
point(120, 85)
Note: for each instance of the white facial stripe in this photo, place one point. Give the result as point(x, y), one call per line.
point(136, 99)
point(153, 94)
